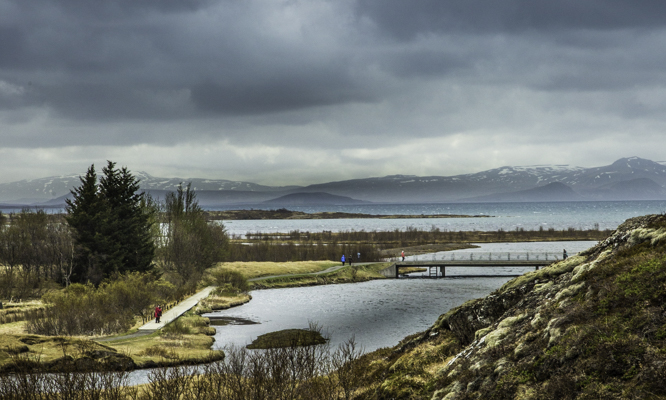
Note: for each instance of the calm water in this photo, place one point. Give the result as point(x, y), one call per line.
point(507, 216)
point(377, 313)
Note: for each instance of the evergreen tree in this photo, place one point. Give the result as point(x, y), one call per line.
point(112, 231)
point(84, 214)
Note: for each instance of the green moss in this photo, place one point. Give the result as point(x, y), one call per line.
point(552, 270)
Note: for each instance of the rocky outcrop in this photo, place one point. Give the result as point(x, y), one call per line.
point(590, 327)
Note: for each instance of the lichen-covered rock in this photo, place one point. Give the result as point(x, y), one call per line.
point(592, 326)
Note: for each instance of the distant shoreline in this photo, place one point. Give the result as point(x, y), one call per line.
point(288, 214)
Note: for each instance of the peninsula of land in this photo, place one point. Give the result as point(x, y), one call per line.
point(283, 213)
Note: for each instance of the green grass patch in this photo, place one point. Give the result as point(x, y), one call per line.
point(287, 338)
point(355, 273)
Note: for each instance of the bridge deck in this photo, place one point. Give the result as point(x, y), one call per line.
point(475, 263)
point(437, 268)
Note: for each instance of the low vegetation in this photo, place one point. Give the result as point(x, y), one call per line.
point(253, 269)
point(289, 338)
point(296, 373)
point(110, 308)
point(348, 274)
point(187, 340)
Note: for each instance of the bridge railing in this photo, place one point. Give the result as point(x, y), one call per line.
point(490, 256)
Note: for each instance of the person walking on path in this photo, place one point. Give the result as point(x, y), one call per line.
point(403, 255)
point(158, 313)
point(343, 260)
point(564, 254)
point(358, 257)
point(350, 259)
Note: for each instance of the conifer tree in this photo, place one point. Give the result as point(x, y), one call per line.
point(112, 231)
point(84, 212)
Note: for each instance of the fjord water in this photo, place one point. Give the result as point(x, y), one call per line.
point(506, 216)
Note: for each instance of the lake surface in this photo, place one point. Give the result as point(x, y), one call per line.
point(507, 216)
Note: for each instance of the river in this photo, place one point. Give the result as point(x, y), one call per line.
point(377, 313)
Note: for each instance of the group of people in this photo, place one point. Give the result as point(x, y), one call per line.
point(158, 313)
point(350, 258)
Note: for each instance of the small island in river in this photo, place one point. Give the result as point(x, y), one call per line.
point(283, 213)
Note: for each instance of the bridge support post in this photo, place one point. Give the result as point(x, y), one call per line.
point(443, 269)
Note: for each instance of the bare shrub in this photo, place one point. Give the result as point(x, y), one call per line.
point(86, 310)
point(67, 385)
point(169, 383)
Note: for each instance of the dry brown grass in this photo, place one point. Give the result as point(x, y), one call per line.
point(213, 302)
point(258, 269)
point(158, 347)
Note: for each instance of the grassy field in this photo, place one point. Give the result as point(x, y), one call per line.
point(187, 340)
point(353, 274)
point(215, 302)
point(260, 269)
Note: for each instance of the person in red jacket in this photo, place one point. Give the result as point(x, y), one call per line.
point(158, 313)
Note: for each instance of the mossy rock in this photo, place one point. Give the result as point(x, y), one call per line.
point(287, 338)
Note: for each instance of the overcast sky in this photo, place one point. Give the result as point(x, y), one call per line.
point(297, 92)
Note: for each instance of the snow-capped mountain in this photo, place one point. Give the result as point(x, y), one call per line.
point(626, 179)
point(54, 187)
point(508, 179)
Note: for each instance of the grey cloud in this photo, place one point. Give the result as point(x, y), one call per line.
point(109, 10)
point(368, 70)
point(281, 94)
point(11, 47)
point(425, 63)
point(105, 60)
point(405, 19)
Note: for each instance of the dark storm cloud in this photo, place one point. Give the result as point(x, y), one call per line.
point(283, 94)
point(116, 59)
point(405, 19)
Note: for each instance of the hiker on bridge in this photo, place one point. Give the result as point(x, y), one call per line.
point(403, 255)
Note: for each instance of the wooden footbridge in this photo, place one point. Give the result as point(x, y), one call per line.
point(437, 268)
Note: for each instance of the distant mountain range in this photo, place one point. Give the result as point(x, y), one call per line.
point(626, 179)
